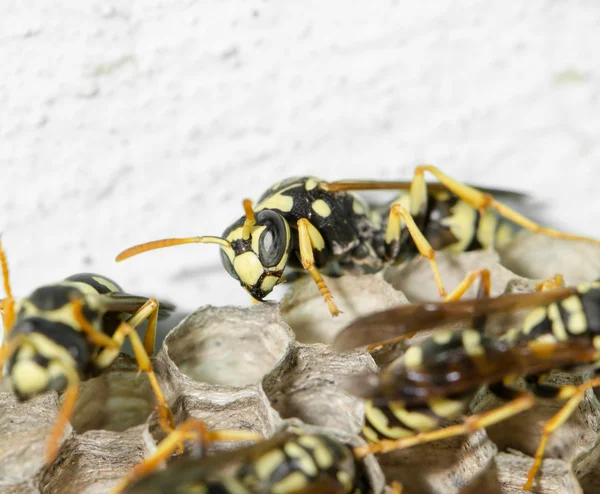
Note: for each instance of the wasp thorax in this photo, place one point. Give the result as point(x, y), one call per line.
point(258, 255)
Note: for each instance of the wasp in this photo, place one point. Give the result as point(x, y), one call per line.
point(70, 331)
point(289, 462)
point(435, 380)
point(308, 224)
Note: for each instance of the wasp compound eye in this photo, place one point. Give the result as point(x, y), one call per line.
point(228, 266)
point(272, 243)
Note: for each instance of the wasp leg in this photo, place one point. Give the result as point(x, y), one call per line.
point(309, 239)
point(7, 305)
point(473, 423)
point(482, 201)
point(65, 414)
point(457, 293)
point(574, 394)
point(96, 337)
point(392, 235)
point(191, 430)
point(127, 329)
point(550, 284)
point(480, 274)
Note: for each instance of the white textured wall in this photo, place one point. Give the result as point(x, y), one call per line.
point(126, 121)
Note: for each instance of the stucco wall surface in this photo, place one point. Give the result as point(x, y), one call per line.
point(126, 121)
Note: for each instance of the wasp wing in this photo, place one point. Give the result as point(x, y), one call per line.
point(406, 320)
point(125, 302)
point(349, 185)
point(448, 376)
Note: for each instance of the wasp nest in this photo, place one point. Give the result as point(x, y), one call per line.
point(270, 366)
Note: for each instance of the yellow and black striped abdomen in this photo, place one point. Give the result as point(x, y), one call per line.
point(394, 420)
point(288, 463)
point(302, 461)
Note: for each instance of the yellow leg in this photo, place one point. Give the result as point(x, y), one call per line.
point(64, 416)
point(479, 274)
point(127, 329)
point(7, 305)
point(575, 395)
point(392, 234)
point(550, 284)
point(191, 430)
point(457, 293)
point(310, 238)
point(473, 423)
point(482, 201)
point(94, 336)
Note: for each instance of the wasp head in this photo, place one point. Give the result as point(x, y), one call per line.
point(258, 251)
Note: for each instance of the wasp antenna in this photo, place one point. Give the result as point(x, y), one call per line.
point(250, 219)
point(169, 242)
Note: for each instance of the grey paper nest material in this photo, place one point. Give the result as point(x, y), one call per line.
point(245, 368)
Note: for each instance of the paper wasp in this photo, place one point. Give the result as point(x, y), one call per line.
point(71, 331)
point(435, 380)
point(306, 223)
point(289, 462)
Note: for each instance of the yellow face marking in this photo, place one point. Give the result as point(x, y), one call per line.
point(305, 461)
point(597, 342)
point(471, 340)
point(255, 234)
point(321, 208)
point(558, 327)
point(379, 421)
point(414, 420)
point(462, 225)
point(268, 463)
point(291, 483)
point(268, 283)
point(277, 201)
point(486, 231)
point(442, 337)
point(248, 267)
point(28, 377)
point(104, 282)
point(533, 319)
point(447, 409)
point(311, 183)
point(413, 357)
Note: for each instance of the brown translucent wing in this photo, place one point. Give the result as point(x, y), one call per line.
point(125, 302)
point(350, 185)
point(415, 386)
point(405, 320)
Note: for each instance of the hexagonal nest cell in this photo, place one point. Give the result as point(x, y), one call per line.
point(271, 366)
